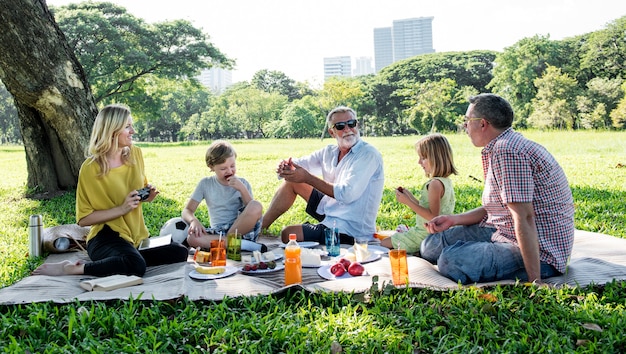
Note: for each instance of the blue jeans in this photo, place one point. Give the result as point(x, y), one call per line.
point(466, 254)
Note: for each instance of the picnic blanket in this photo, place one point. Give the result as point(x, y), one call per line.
point(596, 259)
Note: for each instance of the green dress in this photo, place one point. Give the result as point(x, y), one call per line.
point(412, 239)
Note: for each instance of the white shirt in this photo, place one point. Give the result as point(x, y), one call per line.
point(358, 187)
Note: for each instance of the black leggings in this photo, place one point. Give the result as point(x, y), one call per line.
point(111, 254)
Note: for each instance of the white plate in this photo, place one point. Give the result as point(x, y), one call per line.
point(263, 271)
point(372, 258)
point(230, 270)
point(304, 244)
point(373, 249)
point(276, 257)
point(324, 272)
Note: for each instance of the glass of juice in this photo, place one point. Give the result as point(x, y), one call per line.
point(399, 268)
point(218, 253)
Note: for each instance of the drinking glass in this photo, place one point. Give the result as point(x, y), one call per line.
point(218, 253)
point(399, 268)
point(332, 241)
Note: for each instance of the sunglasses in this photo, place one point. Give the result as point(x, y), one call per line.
point(341, 125)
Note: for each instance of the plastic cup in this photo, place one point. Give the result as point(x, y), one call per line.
point(218, 253)
point(399, 268)
point(360, 248)
point(233, 250)
point(332, 241)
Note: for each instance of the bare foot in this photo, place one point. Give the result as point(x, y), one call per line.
point(61, 268)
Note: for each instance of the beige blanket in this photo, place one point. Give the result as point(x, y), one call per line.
point(596, 259)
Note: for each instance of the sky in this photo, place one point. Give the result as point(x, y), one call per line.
point(294, 36)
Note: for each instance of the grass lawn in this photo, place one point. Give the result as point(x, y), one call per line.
point(500, 319)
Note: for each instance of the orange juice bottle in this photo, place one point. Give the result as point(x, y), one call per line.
point(293, 263)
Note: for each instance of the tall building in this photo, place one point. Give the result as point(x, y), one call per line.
point(405, 39)
point(411, 37)
point(363, 66)
point(216, 79)
point(383, 47)
point(337, 66)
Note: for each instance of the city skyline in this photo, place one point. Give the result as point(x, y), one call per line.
point(295, 37)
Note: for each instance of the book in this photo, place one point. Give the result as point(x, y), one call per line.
point(156, 241)
point(111, 282)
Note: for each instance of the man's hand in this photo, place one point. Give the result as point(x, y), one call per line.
point(295, 173)
point(439, 223)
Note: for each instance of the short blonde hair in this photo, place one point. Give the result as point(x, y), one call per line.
point(436, 148)
point(218, 152)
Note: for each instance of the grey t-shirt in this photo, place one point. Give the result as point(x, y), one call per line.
point(222, 201)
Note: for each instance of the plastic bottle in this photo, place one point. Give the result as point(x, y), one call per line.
point(293, 262)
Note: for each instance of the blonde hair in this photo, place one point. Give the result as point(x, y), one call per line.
point(110, 121)
point(218, 152)
point(437, 150)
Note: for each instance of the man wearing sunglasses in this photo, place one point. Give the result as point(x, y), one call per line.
point(342, 184)
point(525, 227)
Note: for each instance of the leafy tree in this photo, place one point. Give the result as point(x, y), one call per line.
point(252, 109)
point(9, 123)
point(51, 94)
point(618, 115)
point(276, 82)
point(600, 98)
point(432, 105)
point(299, 119)
point(472, 69)
point(116, 48)
point(604, 51)
point(337, 91)
point(520, 65)
point(554, 106)
point(52, 91)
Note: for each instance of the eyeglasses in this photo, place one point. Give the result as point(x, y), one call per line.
point(341, 125)
point(468, 119)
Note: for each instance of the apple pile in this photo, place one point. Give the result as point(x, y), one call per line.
point(344, 265)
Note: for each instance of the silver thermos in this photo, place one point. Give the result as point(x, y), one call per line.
point(35, 233)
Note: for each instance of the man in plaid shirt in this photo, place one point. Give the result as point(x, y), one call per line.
point(525, 227)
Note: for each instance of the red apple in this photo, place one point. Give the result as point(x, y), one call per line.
point(338, 269)
point(356, 269)
point(346, 262)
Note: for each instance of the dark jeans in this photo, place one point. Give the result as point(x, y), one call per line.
point(111, 254)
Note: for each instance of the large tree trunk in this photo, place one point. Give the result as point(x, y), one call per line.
point(54, 102)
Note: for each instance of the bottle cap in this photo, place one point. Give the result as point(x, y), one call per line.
point(292, 236)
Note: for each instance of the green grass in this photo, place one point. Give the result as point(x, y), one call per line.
point(499, 319)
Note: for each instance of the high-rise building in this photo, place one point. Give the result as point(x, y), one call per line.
point(337, 66)
point(363, 66)
point(411, 37)
point(216, 79)
point(383, 47)
point(405, 39)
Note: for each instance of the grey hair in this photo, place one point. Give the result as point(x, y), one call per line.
point(495, 109)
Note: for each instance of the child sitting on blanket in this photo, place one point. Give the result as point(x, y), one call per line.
point(229, 200)
point(437, 195)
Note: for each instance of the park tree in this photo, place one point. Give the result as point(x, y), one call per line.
point(473, 68)
point(272, 81)
point(555, 103)
point(116, 48)
point(433, 105)
point(519, 65)
point(53, 92)
point(598, 100)
point(604, 51)
point(9, 124)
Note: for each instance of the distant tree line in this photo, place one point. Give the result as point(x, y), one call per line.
point(575, 83)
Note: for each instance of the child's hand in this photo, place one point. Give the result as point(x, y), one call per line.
point(196, 229)
point(235, 182)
